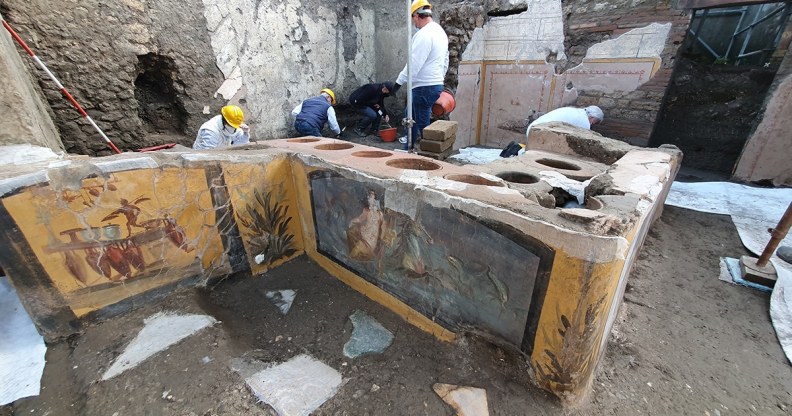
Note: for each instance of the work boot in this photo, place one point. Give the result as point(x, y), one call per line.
point(360, 133)
point(785, 253)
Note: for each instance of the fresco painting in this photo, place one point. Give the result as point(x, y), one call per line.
point(265, 212)
point(443, 263)
point(121, 235)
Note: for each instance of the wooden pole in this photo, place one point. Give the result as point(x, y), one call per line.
point(777, 234)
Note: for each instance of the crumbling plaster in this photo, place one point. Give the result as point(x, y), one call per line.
point(516, 66)
point(286, 52)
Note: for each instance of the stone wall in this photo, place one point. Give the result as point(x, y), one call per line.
point(26, 118)
point(98, 49)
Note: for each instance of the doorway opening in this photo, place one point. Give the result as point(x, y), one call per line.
point(723, 72)
point(157, 90)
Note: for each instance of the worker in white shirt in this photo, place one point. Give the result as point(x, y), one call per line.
point(578, 117)
point(223, 130)
point(428, 62)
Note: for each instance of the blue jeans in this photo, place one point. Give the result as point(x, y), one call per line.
point(306, 129)
point(423, 100)
point(370, 118)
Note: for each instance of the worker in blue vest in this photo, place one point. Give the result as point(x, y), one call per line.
point(311, 115)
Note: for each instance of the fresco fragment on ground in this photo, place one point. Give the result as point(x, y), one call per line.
point(466, 401)
point(297, 387)
point(368, 336)
point(161, 331)
point(282, 299)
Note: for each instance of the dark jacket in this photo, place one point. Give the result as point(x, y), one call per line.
point(314, 112)
point(370, 95)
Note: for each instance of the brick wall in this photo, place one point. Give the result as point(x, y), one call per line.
point(629, 116)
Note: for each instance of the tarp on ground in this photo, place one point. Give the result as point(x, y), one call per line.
point(754, 210)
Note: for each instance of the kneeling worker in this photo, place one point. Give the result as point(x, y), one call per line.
point(223, 130)
point(369, 100)
point(311, 115)
point(578, 117)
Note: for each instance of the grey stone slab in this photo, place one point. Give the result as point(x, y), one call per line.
point(368, 336)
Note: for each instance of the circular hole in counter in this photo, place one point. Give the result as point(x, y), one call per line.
point(413, 164)
point(518, 177)
point(558, 164)
point(372, 154)
point(334, 146)
point(593, 203)
point(303, 140)
point(472, 179)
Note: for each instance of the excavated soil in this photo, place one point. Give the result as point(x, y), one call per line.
point(710, 111)
point(684, 343)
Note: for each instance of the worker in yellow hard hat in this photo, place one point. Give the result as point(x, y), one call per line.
point(311, 115)
point(223, 130)
point(429, 63)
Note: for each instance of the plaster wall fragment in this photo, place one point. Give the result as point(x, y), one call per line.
point(275, 55)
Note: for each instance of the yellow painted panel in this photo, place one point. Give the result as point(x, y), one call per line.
point(570, 331)
point(131, 226)
point(265, 210)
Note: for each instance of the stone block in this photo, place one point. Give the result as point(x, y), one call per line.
point(438, 156)
point(440, 130)
point(435, 146)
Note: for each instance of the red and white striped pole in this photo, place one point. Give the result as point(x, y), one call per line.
point(59, 85)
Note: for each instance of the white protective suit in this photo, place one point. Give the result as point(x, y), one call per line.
point(212, 135)
point(570, 115)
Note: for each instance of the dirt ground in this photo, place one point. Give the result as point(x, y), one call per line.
point(685, 343)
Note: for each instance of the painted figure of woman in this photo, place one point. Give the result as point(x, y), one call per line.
point(363, 233)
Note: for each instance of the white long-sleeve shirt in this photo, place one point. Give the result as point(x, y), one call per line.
point(429, 59)
point(212, 135)
point(570, 115)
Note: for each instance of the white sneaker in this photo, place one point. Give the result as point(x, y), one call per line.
point(403, 139)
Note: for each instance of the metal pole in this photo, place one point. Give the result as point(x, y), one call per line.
point(777, 234)
point(748, 35)
point(734, 35)
point(409, 122)
point(59, 85)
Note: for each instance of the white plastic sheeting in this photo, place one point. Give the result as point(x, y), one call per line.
point(22, 349)
point(754, 211)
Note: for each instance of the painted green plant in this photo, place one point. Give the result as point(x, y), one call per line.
point(577, 349)
point(266, 223)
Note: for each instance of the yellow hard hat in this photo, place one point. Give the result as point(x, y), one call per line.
point(419, 4)
point(329, 92)
point(233, 115)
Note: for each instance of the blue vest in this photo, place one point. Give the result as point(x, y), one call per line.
point(314, 112)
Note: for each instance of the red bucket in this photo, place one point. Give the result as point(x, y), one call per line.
point(387, 134)
point(445, 104)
